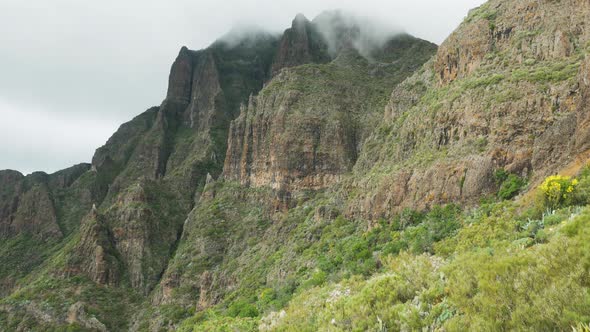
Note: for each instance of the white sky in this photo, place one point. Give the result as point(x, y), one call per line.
point(72, 71)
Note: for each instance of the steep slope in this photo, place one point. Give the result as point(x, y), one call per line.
point(36, 212)
point(296, 137)
point(505, 92)
point(307, 126)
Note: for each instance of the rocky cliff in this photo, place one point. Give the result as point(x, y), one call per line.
point(31, 204)
point(119, 220)
point(306, 127)
point(495, 97)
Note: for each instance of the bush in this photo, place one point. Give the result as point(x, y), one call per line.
point(558, 191)
point(242, 308)
point(438, 224)
point(510, 184)
point(511, 187)
point(318, 278)
point(540, 288)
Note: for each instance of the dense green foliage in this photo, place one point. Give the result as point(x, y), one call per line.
point(510, 184)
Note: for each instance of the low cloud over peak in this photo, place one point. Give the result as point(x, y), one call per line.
point(363, 32)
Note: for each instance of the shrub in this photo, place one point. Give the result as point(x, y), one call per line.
point(438, 224)
point(212, 322)
point(541, 288)
point(558, 190)
point(318, 278)
point(242, 308)
point(510, 187)
point(510, 184)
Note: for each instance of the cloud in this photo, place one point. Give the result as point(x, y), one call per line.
point(246, 33)
point(366, 33)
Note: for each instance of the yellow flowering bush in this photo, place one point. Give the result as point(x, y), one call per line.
point(558, 190)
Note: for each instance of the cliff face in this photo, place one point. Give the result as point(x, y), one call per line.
point(301, 134)
point(32, 204)
point(125, 212)
point(306, 127)
point(150, 172)
point(95, 254)
point(28, 207)
point(504, 92)
point(37, 211)
point(524, 30)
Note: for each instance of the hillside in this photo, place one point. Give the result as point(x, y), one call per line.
point(328, 180)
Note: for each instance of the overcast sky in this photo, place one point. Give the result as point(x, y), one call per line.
point(71, 71)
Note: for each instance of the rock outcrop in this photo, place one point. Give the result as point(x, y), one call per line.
point(147, 177)
point(27, 206)
point(300, 44)
point(94, 255)
point(77, 315)
point(30, 204)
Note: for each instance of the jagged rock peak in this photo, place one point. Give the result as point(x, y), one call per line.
point(180, 79)
point(330, 33)
point(94, 254)
point(300, 44)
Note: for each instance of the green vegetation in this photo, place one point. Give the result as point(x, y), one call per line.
point(558, 190)
point(547, 72)
point(209, 321)
point(483, 12)
point(495, 273)
point(22, 254)
point(445, 268)
point(510, 184)
point(50, 294)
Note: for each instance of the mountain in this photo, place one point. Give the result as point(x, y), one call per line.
point(335, 177)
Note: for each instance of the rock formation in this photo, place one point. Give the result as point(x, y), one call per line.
point(306, 128)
